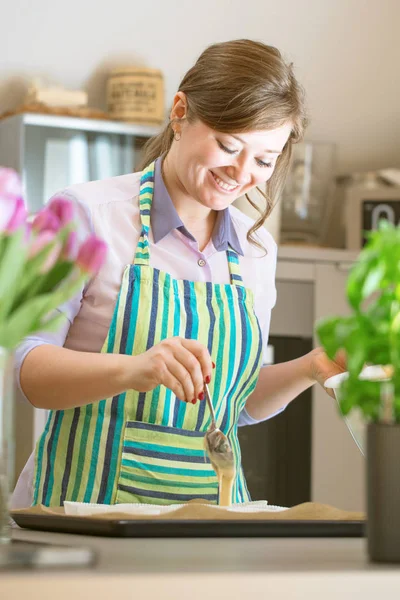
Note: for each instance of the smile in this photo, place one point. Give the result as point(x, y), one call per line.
point(222, 184)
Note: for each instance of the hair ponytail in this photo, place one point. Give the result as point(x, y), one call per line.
point(156, 146)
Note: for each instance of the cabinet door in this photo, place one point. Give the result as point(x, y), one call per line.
point(337, 463)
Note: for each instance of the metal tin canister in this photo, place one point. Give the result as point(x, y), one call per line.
point(136, 94)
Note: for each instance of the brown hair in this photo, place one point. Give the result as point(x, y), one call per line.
point(240, 86)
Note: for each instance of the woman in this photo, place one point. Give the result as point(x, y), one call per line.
point(184, 298)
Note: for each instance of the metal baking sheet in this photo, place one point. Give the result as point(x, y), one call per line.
point(193, 528)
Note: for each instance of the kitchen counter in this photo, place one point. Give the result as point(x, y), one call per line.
point(171, 569)
point(306, 253)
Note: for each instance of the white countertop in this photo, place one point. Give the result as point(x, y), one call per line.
point(191, 569)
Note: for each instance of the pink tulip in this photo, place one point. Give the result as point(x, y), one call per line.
point(92, 255)
point(70, 248)
point(12, 212)
point(7, 208)
point(63, 209)
point(10, 183)
point(18, 216)
point(43, 239)
point(46, 220)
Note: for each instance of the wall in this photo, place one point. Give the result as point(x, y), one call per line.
point(344, 52)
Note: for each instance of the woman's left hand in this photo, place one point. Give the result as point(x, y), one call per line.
point(323, 367)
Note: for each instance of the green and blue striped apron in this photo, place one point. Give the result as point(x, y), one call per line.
point(149, 447)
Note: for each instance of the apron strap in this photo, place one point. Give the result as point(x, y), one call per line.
point(142, 254)
point(234, 268)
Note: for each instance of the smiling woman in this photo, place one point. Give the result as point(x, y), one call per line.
point(233, 121)
point(183, 300)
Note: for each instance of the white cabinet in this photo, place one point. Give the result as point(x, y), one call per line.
point(311, 284)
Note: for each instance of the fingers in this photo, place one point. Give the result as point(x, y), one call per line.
point(341, 359)
point(185, 379)
point(188, 366)
point(190, 371)
point(174, 384)
point(202, 355)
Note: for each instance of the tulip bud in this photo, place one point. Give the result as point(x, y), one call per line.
point(18, 216)
point(63, 209)
point(11, 203)
point(92, 255)
point(10, 183)
point(46, 220)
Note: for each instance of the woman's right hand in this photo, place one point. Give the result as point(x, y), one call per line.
point(179, 364)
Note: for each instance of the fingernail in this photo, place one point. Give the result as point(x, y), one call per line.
point(194, 401)
point(208, 379)
point(213, 365)
point(201, 396)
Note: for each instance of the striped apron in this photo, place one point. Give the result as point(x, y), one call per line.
point(148, 447)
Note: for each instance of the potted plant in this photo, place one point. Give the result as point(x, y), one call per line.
point(371, 336)
point(42, 264)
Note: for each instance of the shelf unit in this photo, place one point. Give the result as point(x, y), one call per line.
point(52, 152)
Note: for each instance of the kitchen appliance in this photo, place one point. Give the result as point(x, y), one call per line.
point(307, 195)
point(364, 208)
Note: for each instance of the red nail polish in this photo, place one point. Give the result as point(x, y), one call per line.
point(201, 396)
point(213, 365)
point(194, 401)
point(208, 379)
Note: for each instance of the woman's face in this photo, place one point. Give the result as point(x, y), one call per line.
point(216, 168)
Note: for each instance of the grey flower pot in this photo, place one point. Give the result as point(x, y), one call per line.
point(383, 492)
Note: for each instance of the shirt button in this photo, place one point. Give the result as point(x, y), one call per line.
point(201, 262)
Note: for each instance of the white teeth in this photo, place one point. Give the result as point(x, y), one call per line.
point(224, 185)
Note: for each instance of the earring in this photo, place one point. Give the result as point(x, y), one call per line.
point(177, 136)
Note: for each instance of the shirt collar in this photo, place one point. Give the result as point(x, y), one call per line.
point(165, 219)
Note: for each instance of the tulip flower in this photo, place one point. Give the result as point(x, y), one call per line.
point(11, 204)
point(63, 209)
point(91, 255)
point(46, 220)
point(18, 216)
point(41, 264)
point(7, 208)
point(10, 183)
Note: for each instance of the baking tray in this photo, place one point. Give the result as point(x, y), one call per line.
point(131, 528)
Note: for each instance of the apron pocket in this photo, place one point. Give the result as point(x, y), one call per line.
point(164, 465)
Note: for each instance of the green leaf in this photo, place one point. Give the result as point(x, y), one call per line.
point(58, 273)
point(24, 319)
point(357, 276)
point(3, 239)
point(33, 314)
point(11, 267)
point(373, 280)
point(326, 330)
